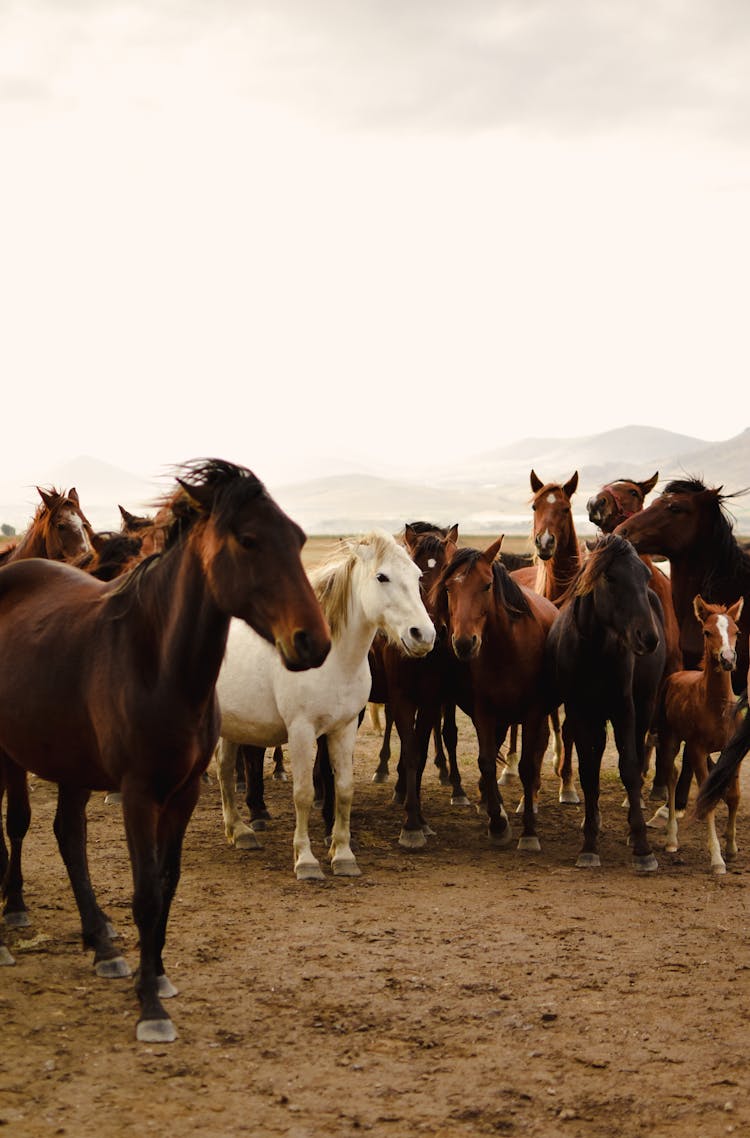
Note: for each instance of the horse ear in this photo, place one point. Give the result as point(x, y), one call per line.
point(648, 485)
point(536, 482)
point(410, 536)
point(126, 516)
point(198, 497)
point(492, 551)
point(571, 485)
point(452, 534)
point(699, 607)
point(98, 540)
point(736, 610)
point(47, 496)
point(73, 495)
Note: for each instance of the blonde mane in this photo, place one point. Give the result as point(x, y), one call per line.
point(332, 579)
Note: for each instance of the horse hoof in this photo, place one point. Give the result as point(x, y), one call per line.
point(445, 778)
point(380, 776)
point(165, 989)
point(412, 840)
point(506, 777)
point(114, 798)
point(155, 1031)
point(459, 800)
point(569, 797)
point(247, 841)
point(280, 776)
point(115, 969)
point(309, 871)
point(529, 842)
point(718, 869)
point(17, 920)
point(658, 793)
point(346, 867)
point(5, 956)
point(258, 824)
point(241, 789)
point(428, 831)
point(503, 839)
point(659, 820)
point(588, 861)
point(645, 864)
point(672, 847)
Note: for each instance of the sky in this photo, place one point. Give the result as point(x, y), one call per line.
point(379, 234)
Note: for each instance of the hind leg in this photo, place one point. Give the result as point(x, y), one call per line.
point(341, 755)
point(18, 820)
point(237, 833)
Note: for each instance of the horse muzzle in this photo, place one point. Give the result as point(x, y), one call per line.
point(418, 641)
point(466, 647)
point(304, 652)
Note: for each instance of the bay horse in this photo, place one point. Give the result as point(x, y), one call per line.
point(111, 685)
point(725, 774)
point(558, 559)
point(497, 629)
point(58, 531)
point(689, 525)
point(699, 708)
point(611, 506)
point(365, 585)
point(605, 658)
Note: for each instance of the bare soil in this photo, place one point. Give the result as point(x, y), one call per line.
point(461, 991)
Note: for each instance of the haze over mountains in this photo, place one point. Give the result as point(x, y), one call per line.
point(486, 494)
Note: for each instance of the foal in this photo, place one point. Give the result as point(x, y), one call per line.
point(699, 708)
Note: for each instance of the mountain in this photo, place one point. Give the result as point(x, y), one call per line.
point(488, 494)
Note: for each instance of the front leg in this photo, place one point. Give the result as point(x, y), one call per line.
point(341, 755)
point(630, 773)
point(534, 740)
point(302, 748)
point(237, 833)
point(488, 731)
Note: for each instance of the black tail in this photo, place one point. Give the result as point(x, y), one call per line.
point(728, 763)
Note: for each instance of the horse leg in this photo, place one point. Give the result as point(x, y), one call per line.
point(683, 785)
point(18, 820)
point(302, 748)
point(666, 753)
point(414, 726)
point(698, 761)
point(510, 774)
point(450, 739)
point(278, 765)
point(237, 833)
point(71, 831)
point(341, 755)
point(323, 778)
point(155, 838)
point(440, 760)
point(255, 798)
point(535, 736)
point(381, 771)
point(733, 803)
point(240, 780)
point(624, 726)
point(589, 739)
point(567, 793)
point(488, 730)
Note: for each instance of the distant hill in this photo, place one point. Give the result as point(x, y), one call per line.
point(487, 494)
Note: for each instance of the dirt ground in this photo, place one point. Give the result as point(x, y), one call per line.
point(464, 990)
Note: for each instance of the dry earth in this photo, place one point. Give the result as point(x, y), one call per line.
point(461, 991)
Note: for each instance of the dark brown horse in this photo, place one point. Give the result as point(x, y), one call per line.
point(107, 685)
point(58, 531)
point(497, 629)
point(605, 657)
point(688, 524)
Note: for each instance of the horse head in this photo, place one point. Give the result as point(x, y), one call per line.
point(64, 531)
point(552, 515)
point(618, 501)
point(720, 631)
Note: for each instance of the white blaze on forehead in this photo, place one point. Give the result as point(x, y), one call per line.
point(722, 623)
point(78, 527)
point(431, 562)
point(551, 498)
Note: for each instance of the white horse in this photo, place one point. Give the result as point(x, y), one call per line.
point(365, 585)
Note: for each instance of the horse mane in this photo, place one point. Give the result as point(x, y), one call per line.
point(430, 543)
point(332, 579)
point(727, 555)
point(602, 553)
point(505, 590)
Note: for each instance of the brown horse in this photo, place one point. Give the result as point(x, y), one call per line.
point(558, 559)
point(497, 630)
point(58, 531)
point(688, 524)
point(108, 685)
point(699, 708)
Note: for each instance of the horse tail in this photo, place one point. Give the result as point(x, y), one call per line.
point(727, 765)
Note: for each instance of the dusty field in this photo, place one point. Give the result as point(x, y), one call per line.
point(461, 991)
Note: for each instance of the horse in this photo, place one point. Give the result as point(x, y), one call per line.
point(394, 678)
point(699, 708)
point(725, 774)
point(689, 525)
point(605, 658)
point(111, 555)
point(612, 505)
point(58, 531)
point(497, 629)
point(364, 585)
point(149, 530)
point(557, 561)
point(111, 685)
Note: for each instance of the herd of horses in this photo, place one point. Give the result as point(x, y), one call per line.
point(128, 659)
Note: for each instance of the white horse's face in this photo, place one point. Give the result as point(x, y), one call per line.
point(391, 599)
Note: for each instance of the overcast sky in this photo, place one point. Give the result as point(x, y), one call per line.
point(296, 232)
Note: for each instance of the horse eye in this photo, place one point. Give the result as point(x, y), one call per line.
point(247, 541)
point(382, 578)
point(486, 588)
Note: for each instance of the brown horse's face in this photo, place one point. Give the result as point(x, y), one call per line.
point(431, 553)
point(618, 501)
point(67, 532)
point(255, 572)
point(672, 523)
point(720, 632)
point(553, 517)
point(470, 599)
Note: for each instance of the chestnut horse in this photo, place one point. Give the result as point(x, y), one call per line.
point(107, 685)
point(497, 630)
point(699, 708)
point(59, 530)
point(605, 657)
point(558, 559)
point(688, 524)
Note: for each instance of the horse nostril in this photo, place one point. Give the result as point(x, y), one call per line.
point(302, 646)
point(415, 633)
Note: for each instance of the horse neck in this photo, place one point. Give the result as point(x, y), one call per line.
point(356, 634)
point(188, 631)
point(554, 576)
point(715, 682)
point(32, 544)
